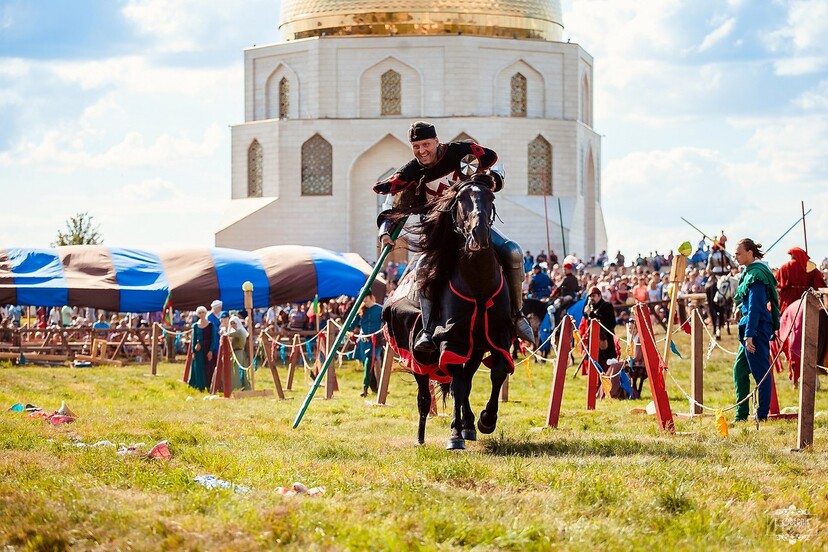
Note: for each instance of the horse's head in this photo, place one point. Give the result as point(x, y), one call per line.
point(474, 212)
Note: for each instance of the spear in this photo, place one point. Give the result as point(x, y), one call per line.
point(697, 228)
point(395, 233)
point(802, 218)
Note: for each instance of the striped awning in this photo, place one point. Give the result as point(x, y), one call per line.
point(132, 280)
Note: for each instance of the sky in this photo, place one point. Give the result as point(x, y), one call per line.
point(711, 110)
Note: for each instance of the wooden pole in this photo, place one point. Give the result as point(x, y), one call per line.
point(548, 243)
point(251, 332)
point(561, 363)
point(277, 382)
point(593, 377)
point(154, 350)
point(385, 375)
point(696, 361)
point(228, 365)
point(808, 372)
point(676, 276)
point(504, 390)
point(292, 363)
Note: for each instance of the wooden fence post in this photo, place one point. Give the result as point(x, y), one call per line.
point(385, 374)
point(277, 382)
point(228, 365)
point(561, 363)
point(291, 363)
point(696, 361)
point(153, 350)
point(504, 390)
point(808, 372)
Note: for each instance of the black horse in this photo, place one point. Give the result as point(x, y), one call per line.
point(460, 268)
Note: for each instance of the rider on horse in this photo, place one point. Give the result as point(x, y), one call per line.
point(435, 167)
point(566, 293)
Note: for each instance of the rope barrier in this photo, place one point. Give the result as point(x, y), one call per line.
point(753, 396)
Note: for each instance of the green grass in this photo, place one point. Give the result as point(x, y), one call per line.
point(606, 479)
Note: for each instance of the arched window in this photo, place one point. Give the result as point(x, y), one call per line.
point(586, 102)
point(540, 167)
point(518, 95)
point(284, 98)
point(391, 85)
point(463, 137)
point(317, 167)
point(255, 172)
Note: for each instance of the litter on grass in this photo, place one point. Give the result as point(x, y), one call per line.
point(300, 489)
point(212, 482)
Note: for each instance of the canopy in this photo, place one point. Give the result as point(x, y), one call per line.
point(132, 280)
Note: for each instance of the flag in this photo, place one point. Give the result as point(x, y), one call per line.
point(675, 349)
point(167, 311)
point(316, 304)
point(685, 326)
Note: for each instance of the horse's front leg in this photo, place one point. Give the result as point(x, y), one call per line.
point(488, 418)
point(468, 431)
point(460, 395)
point(423, 405)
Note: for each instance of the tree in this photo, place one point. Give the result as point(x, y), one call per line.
point(79, 231)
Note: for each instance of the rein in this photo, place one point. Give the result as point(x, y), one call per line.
point(453, 206)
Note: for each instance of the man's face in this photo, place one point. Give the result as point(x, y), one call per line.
point(595, 297)
point(741, 255)
point(425, 151)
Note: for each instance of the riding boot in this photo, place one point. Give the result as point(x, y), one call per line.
point(514, 277)
point(425, 342)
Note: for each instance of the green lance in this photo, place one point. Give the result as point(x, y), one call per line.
point(348, 321)
point(560, 220)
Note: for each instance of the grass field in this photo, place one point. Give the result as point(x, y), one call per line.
point(606, 479)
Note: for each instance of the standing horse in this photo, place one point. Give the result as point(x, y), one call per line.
point(459, 267)
point(720, 293)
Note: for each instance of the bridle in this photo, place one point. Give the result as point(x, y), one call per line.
point(457, 225)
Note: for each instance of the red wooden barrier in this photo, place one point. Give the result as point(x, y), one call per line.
point(654, 364)
point(188, 363)
point(556, 396)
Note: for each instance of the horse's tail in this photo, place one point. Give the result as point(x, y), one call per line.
point(444, 389)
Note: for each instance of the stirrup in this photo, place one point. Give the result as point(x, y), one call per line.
point(425, 343)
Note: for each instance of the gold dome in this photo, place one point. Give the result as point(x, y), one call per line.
point(539, 19)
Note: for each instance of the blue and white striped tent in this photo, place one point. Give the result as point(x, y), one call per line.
point(132, 280)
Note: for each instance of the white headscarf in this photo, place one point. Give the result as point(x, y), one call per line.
point(239, 326)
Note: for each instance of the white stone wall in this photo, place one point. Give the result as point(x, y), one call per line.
point(461, 84)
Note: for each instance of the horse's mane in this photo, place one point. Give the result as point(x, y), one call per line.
point(438, 243)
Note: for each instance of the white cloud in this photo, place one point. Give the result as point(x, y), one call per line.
point(139, 76)
point(814, 99)
point(754, 191)
point(69, 152)
point(718, 34)
point(802, 65)
point(194, 25)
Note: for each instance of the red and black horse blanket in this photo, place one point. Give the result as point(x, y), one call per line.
point(462, 321)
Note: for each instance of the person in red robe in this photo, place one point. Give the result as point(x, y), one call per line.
point(793, 278)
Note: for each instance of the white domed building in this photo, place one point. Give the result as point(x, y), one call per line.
point(327, 112)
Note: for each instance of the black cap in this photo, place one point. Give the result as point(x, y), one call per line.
point(421, 130)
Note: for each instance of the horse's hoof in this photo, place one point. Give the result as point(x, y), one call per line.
point(469, 434)
point(456, 443)
point(483, 426)
point(420, 442)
